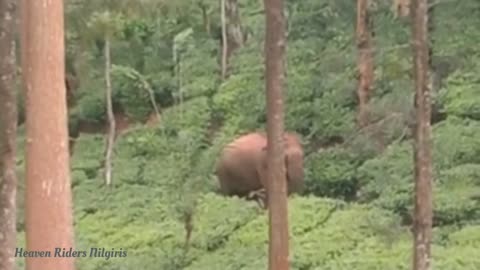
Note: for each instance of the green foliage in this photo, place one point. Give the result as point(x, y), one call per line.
point(463, 185)
point(105, 24)
point(312, 247)
point(456, 256)
point(234, 94)
point(194, 65)
point(332, 173)
point(331, 118)
point(457, 37)
point(190, 117)
point(133, 92)
point(460, 95)
point(469, 235)
point(299, 87)
point(455, 143)
point(90, 105)
point(211, 232)
point(89, 153)
point(163, 177)
point(333, 92)
point(323, 19)
point(388, 179)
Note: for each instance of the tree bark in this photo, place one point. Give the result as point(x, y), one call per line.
point(235, 33)
point(365, 61)
point(401, 8)
point(151, 94)
point(224, 40)
point(49, 221)
point(275, 47)
point(8, 131)
point(111, 116)
point(434, 79)
point(422, 142)
point(233, 36)
point(205, 18)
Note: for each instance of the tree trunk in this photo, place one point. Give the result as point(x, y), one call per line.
point(233, 36)
point(365, 62)
point(434, 79)
point(224, 40)
point(111, 116)
point(8, 131)
point(205, 18)
point(401, 8)
point(235, 33)
point(275, 43)
point(49, 221)
point(422, 142)
point(151, 94)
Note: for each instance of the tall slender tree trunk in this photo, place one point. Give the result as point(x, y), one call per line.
point(205, 18)
point(8, 131)
point(111, 116)
point(224, 40)
point(434, 79)
point(275, 47)
point(235, 32)
point(422, 143)
point(365, 61)
point(151, 94)
point(401, 8)
point(233, 36)
point(49, 221)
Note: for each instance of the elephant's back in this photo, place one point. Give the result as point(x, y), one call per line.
point(249, 141)
point(243, 151)
point(245, 146)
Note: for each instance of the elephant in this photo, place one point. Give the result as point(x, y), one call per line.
point(241, 168)
point(293, 164)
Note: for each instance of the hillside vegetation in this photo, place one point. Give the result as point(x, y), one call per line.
point(356, 211)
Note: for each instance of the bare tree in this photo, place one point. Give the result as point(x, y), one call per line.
point(364, 61)
point(49, 221)
point(401, 8)
point(235, 32)
point(111, 116)
point(275, 47)
point(233, 36)
point(206, 13)
point(422, 143)
point(224, 39)
point(8, 131)
point(435, 79)
point(104, 24)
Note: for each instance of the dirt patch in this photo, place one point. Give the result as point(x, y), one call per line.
point(152, 120)
point(122, 123)
point(91, 127)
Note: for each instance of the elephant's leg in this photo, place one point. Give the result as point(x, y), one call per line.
point(228, 182)
point(260, 196)
point(257, 193)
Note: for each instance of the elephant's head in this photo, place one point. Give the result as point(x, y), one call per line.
point(293, 163)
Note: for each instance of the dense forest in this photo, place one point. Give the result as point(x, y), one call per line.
point(176, 104)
